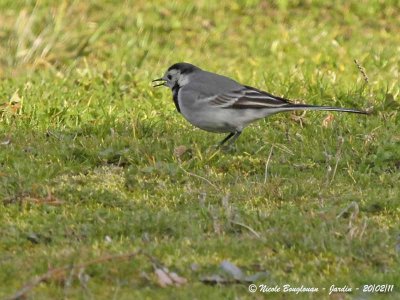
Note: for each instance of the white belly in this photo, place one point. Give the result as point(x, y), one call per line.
point(222, 119)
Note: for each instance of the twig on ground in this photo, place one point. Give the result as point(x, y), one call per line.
point(202, 178)
point(60, 272)
point(354, 205)
point(247, 227)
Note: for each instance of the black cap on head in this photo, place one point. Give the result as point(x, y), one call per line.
point(183, 67)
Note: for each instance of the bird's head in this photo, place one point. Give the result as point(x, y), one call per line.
point(177, 75)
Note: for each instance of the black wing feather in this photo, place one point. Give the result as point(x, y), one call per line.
point(249, 97)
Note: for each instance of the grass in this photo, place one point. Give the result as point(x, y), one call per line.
point(94, 162)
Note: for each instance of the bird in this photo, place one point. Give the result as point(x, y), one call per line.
point(217, 103)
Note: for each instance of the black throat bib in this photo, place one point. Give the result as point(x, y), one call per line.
point(175, 91)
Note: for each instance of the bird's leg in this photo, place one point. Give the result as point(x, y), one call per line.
point(232, 137)
point(235, 137)
point(226, 138)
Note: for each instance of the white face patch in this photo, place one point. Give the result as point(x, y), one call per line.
point(174, 76)
point(183, 79)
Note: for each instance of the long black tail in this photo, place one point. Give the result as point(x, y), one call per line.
point(290, 107)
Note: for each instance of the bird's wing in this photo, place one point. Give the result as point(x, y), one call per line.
point(247, 97)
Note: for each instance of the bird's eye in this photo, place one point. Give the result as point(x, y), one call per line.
point(169, 77)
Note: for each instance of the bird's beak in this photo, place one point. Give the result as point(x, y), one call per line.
point(159, 84)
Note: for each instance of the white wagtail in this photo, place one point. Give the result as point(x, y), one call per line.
point(217, 103)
